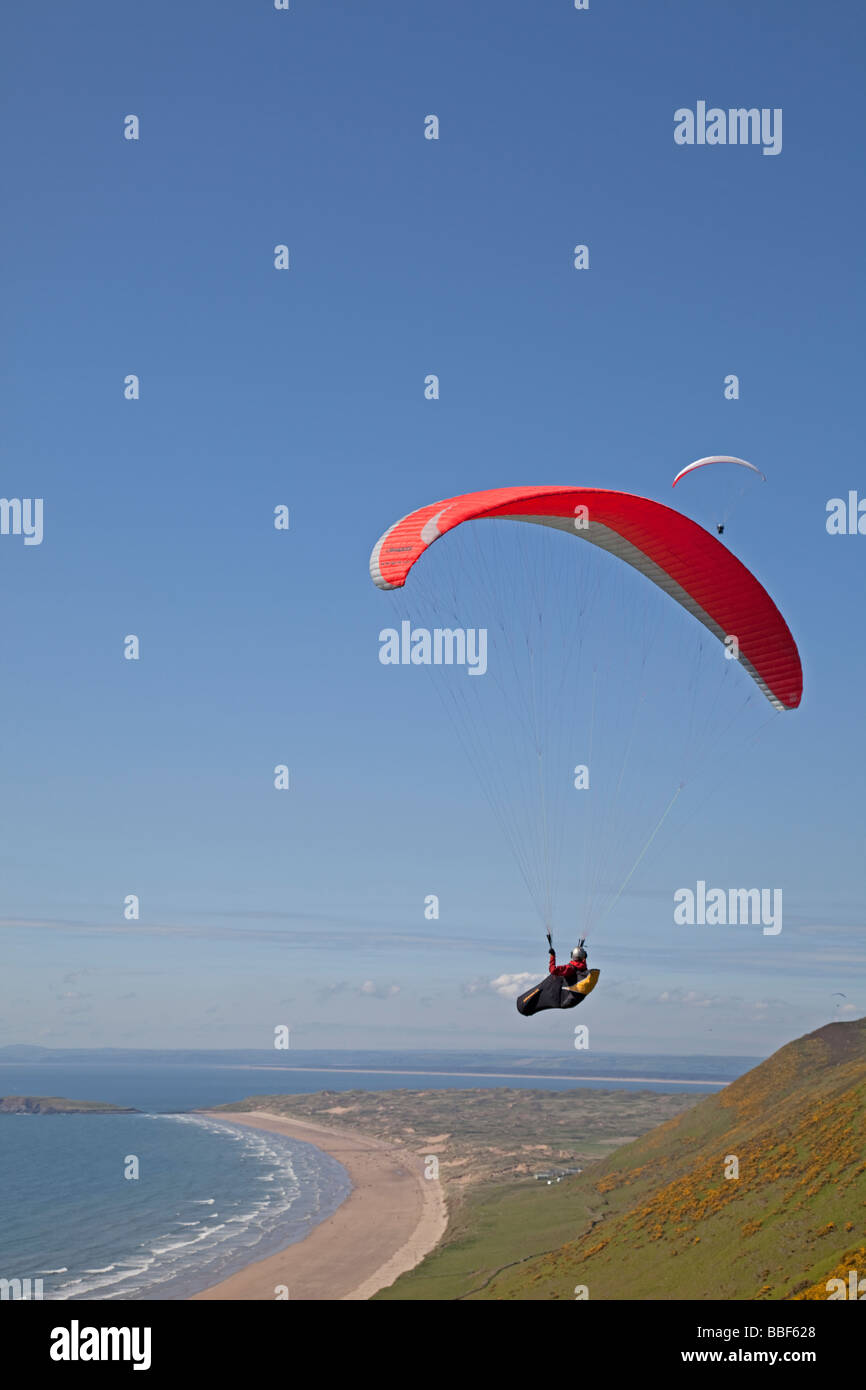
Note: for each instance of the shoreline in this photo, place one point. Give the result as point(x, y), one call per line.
point(491, 1075)
point(391, 1219)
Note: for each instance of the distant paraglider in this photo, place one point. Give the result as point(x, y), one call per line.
point(717, 458)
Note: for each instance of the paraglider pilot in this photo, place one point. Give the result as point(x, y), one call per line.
point(576, 969)
point(564, 986)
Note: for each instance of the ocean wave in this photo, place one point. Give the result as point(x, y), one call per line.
point(296, 1185)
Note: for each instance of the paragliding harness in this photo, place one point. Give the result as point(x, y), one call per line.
point(555, 992)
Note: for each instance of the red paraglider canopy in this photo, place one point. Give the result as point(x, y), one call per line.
point(683, 559)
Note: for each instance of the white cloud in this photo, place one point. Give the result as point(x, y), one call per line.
point(509, 986)
point(690, 997)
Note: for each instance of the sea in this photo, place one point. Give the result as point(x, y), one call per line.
point(164, 1202)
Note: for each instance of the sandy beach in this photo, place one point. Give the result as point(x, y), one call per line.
point(391, 1219)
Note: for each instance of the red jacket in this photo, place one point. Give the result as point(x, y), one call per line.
point(572, 972)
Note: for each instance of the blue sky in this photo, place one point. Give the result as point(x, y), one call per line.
point(408, 257)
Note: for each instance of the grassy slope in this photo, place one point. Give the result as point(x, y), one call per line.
point(658, 1219)
point(493, 1227)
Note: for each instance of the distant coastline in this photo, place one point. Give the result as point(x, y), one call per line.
point(57, 1105)
point(495, 1075)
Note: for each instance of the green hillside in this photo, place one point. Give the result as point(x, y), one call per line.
point(659, 1219)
